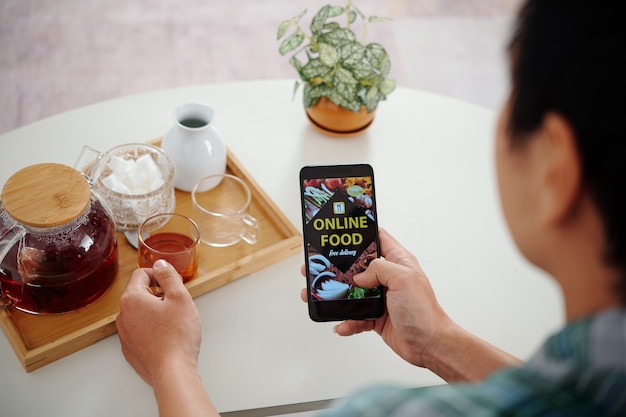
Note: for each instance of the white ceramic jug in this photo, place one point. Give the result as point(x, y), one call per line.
point(194, 145)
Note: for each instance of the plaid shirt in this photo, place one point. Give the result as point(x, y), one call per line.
point(580, 371)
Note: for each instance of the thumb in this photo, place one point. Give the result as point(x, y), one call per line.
point(368, 278)
point(166, 276)
point(380, 272)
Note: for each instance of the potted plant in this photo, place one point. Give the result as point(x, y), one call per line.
point(344, 79)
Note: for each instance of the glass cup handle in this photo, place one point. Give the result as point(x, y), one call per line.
point(251, 233)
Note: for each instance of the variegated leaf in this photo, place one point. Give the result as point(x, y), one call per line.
point(372, 98)
point(317, 24)
point(314, 69)
point(344, 76)
point(387, 87)
point(335, 11)
point(352, 53)
point(330, 26)
point(319, 20)
point(351, 17)
point(361, 71)
point(378, 57)
point(339, 37)
point(295, 62)
point(328, 54)
point(282, 29)
point(346, 97)
point(291, 43)
point(312, 94)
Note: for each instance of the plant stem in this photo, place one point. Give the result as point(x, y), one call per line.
point(299, 28)
point(366, 29)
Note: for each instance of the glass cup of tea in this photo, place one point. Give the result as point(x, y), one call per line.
point(220, 208)
point(171, 237)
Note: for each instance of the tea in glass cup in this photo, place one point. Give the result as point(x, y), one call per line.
point(171, 237)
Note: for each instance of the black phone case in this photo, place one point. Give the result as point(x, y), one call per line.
point(340, 229)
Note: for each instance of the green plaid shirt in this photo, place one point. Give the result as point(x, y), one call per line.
point(580, 371)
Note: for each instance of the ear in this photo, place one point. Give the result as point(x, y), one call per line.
point(562, 173)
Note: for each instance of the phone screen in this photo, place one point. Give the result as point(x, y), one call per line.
point(341, 238)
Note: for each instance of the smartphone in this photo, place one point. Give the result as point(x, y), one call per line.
point(340, 229)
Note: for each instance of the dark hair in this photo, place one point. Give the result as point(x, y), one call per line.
point(565, 58)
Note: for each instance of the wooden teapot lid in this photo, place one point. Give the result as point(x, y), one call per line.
point(46, 195)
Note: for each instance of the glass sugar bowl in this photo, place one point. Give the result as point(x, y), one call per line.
point(58, 246)
point(135, 179)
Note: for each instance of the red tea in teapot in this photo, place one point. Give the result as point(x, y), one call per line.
point(60, 276)
point(58, 247)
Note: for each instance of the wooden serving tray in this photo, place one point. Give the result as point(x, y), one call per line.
point(41, 339)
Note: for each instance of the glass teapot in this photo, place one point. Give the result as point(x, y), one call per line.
point(58, 246)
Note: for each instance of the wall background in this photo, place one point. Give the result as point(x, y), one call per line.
point(56, 55)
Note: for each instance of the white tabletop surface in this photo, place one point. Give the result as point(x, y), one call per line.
point(437, 194)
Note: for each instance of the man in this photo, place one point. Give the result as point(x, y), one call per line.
point(559, 160)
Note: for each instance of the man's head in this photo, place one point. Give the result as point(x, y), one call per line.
point(566, 60)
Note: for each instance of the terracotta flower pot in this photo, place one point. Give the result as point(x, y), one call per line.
point(334, 120)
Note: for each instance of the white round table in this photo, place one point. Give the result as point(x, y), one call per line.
point(437, 194)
